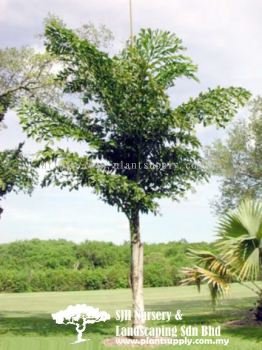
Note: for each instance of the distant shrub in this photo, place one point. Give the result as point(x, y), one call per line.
point(13, 281)
point(157, 275)
point(116, 277)
point(60, 265)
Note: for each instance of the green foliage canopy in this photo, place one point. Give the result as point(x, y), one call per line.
point(124, 115)
point(237, 161)
point(26, 73)
point(23, 73)
point(15, 172)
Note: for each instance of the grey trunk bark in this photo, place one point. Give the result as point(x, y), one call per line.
point(136, 271)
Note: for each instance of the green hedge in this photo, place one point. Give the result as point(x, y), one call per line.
point(63, 280)
point(34, 266)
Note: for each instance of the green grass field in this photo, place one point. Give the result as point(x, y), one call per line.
point(26, 323)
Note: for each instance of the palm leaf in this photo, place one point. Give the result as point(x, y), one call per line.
point(192, 277)
point(210, 261)
point(218, 285)
point(240, 235)
point(162, 54)
point(246, 220)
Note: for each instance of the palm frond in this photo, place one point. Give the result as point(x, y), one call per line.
point(192, 277)
point(239, 258)
point(240, 235)
point(250, 268)
point(210, 261)
point(218, 285)
point(162, 52)
point(246, 220)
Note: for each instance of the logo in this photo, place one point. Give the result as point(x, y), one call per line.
point(80, 316)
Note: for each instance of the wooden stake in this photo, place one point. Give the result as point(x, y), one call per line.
point(131, 23)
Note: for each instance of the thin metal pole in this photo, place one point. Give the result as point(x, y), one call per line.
point(131, 23)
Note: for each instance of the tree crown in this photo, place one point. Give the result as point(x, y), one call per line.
point(237, 160)
point(138, 147)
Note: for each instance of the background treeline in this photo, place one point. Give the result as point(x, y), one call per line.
point(60, 265)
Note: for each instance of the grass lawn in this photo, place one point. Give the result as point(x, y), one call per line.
point(25, 320)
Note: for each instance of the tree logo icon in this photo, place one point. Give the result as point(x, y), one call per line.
point(80, 315)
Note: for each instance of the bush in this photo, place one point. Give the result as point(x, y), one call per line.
point(157, 275)
point(59, 265)
point(13, 281)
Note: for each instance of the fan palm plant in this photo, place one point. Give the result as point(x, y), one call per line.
point(240, 239)
point(210, 269)
point(240, 254)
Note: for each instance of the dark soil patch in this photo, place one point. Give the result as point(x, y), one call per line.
point(248, 321)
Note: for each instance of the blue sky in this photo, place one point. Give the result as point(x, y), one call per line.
point(223, 37)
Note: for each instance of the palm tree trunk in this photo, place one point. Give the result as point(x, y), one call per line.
point(136, 270)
